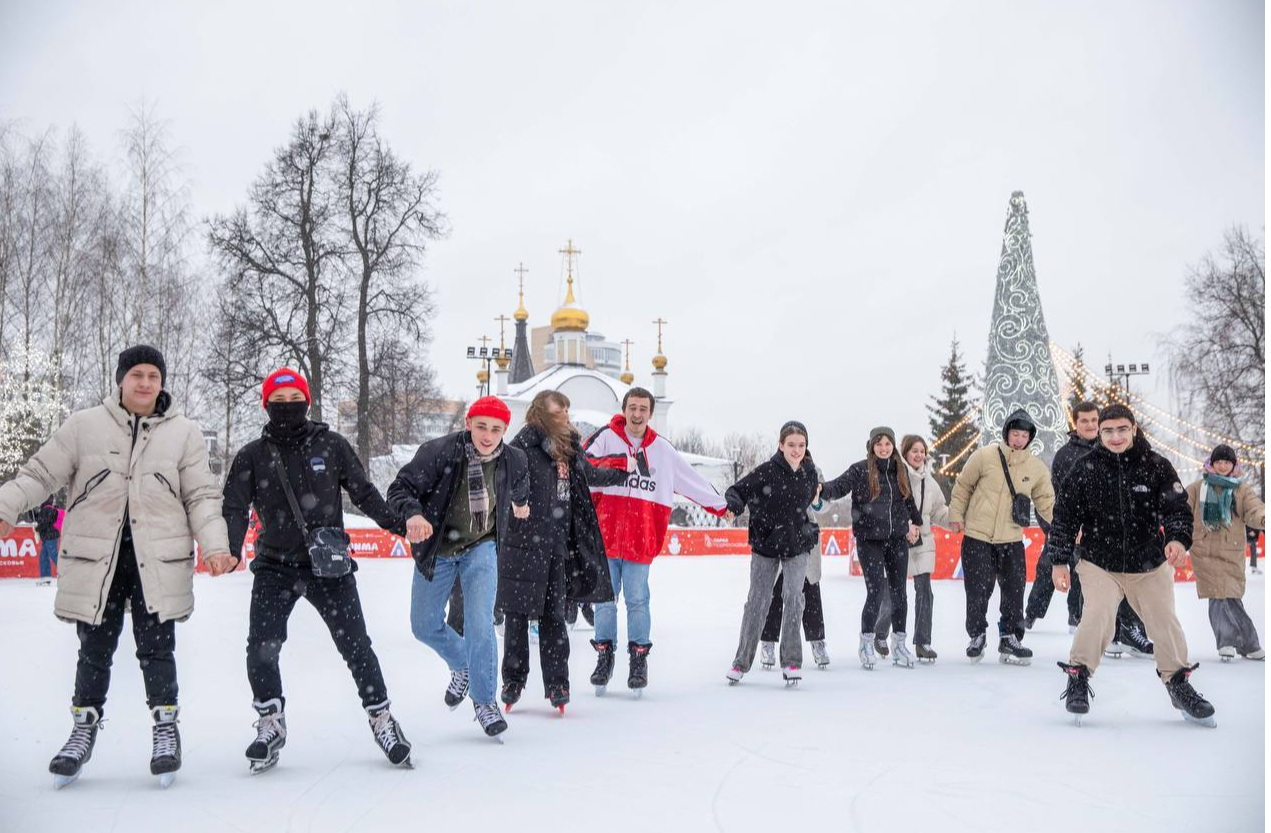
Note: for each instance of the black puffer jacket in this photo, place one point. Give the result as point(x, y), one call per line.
point(46, 521)
point(888, 515)
point(778, 498)
point(556, 529)
point(428, 483)
point(319, 463)
point(1067, 457)
point(1120, 502)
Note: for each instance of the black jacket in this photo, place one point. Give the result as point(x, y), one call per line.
point(556, 529)
point(888, 515)
point(778, 498)
point(46, 521)
point(319, 463)
point(1067, 457)
point(428, 483)
point(1120, 502)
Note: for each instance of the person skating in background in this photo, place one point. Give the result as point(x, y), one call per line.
point(1223, 508)
point(293, 476)
point(141, 494)
point(934, 509)
point(777, 493)
point(991, 504)
point(46, 526)
point(885, 521)
point(562, 556)
point(459, 496)
point(634, 516)
point(1135, 524)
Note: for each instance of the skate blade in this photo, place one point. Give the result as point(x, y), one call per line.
point(732, 682)
point(639, 693)
point(257, 767)
point(975, 660)
point(792, 683)
point(1226, 659)
point(768, 667)
point(1007, 659)
point(1141, 655)
point(1071, 630)
point(166, 779)
point(601, 689)
point(902, 663)
point(822, 665)
point(1207, 722)
point(1077, 719)
point(926, 662)
point(406, 764)
point(60, 781)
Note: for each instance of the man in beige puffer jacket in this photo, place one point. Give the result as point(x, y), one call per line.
point(140, 494)
point(993, 544)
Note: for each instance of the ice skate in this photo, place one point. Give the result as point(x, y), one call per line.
point(975, 648)
point(44, 582)
point(925, 654)
point(604, 665)
point(638, 672)
point(734, 675)
point(865, 653)
point(389, 735)
point(68, 762)
point(490, 719)
point(271, 736)
point(558, 696)
point(1190, 704)
point(1256, 654)
point(1226, 653)
point(589, 615)
point(511, 694)
point(900, 651)
point(1010, 652)
point(792, 674)
point(1115, 650)
point(1077, 694)
point(458, 688)
point(819, 654)
point(165, 756)
point(880, 646)
point(768, 655)
point(1135, 640)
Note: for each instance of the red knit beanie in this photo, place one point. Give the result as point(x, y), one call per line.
point(283, 377)
point(490, 406)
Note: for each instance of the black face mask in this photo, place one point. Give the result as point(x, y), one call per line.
point(287, 415)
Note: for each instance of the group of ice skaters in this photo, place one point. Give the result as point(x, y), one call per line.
point(532, 527)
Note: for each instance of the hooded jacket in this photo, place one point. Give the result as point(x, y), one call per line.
point(778, 498)
point(934, 509)
point(981, 499)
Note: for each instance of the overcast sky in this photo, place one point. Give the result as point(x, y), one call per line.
point(812, 194)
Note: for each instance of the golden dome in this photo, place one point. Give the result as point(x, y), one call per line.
point(659, 362)
point(483, 376)
point(570, 317)
point(627, 378)
point(503, 362)
point(521, 314)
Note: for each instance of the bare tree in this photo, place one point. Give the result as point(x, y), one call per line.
point(34, 219)
point(281, 256)
point(1219, 356)
point(389, 216)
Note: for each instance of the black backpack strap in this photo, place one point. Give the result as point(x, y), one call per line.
point(286, 487)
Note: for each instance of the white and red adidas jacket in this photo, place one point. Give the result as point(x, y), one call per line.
point(634, 515)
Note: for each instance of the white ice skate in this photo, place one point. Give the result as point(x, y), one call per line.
point(792, 675)
point(866, 651)
point(734, 675)
point(768, 655)
point(1226, 653)
point(900, 651)
point(819, 654)
point(1258, 654)
point(1115, 650)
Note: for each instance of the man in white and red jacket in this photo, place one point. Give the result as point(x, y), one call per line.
point(633, 519)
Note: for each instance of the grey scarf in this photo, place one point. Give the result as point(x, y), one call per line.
point(478, 497)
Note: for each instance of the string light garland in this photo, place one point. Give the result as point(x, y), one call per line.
point(965, 450)
point(951, 431)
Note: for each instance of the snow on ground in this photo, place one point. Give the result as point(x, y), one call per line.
point(954, 747)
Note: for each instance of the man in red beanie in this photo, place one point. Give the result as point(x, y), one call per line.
point(293, 475)
point(459, 496)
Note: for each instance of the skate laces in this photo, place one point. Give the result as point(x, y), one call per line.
point(80, 741)
point(458, 683)
point(488, 715)
point(1077, 682)
point(165, 739)
point(384, 727)
point(1183, 689)
point(268, 727)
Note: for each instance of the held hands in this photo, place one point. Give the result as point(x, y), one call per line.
point(418, 529)
point(6, 529)
point(521, 512)
point(914, 532)
point(1176, 554)
point(221, 563)
point(955, 526)
point(1061, 577)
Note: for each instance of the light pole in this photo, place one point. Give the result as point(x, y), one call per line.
point(1123, 373)
point(487, 355)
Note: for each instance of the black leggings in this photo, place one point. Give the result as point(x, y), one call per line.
point(155, 640)
point(886, 566)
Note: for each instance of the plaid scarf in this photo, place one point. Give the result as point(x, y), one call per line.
point(1216, 503)
point(478, 497)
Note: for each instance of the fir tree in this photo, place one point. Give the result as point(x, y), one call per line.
point(952, 407)
point(1081, 387)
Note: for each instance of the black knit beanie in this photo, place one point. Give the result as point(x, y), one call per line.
point(140, 354)
point(1224, 452)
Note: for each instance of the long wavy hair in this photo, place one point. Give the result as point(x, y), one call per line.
point(871, 464)
point(540, 417)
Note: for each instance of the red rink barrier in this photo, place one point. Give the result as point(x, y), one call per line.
point(19, 553)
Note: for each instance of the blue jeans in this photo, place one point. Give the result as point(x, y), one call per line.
point(477, 650)
point(632, 581)
point(48, 556)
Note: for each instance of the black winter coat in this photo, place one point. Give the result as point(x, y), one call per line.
point(1120, 502)
point(888, 515)
point(428, 483)
point(1067, 457)
point(778, 498)
point(46, 521)
point(319, 463)
point(555, 530)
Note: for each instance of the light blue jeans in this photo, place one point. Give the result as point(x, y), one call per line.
point(477, 650)
point(632, 581)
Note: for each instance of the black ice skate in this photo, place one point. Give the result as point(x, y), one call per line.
point(638, 667)
point(1077, 695)
point(389, 735)
point(604, 665)
point(1010, 652)
point(271, 736)
point(925, 654)
point(458, 688)
point(1190, 704)
point(491, 720)
point(975, 648)
point(511, 693)
point(66, 765)
point(165, 756)
point(589, 614)
point(1133, 638)
point(880, 646)
point(558, 696)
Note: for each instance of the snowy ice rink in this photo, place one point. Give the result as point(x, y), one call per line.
point(953, 747)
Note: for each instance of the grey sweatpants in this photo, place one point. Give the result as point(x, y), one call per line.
point(763, 575)
point(1232, 626)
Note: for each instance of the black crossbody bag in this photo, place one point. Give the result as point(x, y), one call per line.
point(328, 545)
point(1021, 505)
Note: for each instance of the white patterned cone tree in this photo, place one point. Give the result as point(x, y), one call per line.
point(1019, 372)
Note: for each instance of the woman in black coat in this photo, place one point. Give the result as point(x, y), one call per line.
point(885, 522)
point(559, 554)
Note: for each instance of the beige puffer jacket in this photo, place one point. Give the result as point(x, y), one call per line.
point(935, 510)
point(982, 502)
point(1219, 555)
point(163, 482)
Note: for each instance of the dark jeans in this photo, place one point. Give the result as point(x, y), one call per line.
point(553, 649)
point(155, 641)
point(924, 602)
point(983, 565)
point(813, 613)
point(1044, 589)
point(48, 556)
point(275, 591)
point(884, 563)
